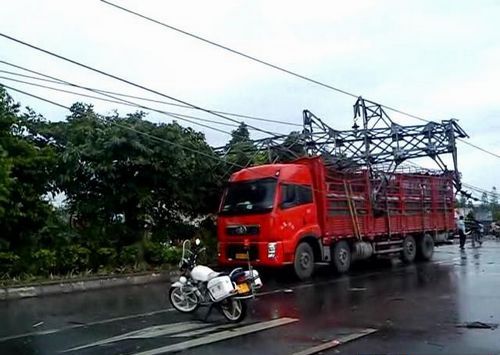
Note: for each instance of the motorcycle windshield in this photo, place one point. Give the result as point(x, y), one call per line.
point(249, 197)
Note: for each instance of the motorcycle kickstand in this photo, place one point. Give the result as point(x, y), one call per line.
point(212, 305)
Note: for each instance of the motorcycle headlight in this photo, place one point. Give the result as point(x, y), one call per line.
point(271, 250)
point(182, 279)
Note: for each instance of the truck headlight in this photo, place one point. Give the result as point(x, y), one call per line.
point(271, 250)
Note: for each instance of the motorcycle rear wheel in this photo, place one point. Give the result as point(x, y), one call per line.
point(184, 303)
point(235, 310)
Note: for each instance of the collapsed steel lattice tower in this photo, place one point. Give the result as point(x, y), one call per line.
point(379, 144)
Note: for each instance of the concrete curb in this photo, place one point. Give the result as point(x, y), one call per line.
point(17, 292)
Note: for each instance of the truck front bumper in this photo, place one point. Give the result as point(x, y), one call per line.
point(260, 253)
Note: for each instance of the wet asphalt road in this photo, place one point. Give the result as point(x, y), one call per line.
point(380, 307)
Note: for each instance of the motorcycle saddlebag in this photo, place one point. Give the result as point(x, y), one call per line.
point(220, 287)
point(254, 277)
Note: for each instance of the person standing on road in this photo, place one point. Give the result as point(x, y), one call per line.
point(461, 231)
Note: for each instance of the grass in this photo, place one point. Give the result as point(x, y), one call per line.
point(26, 279)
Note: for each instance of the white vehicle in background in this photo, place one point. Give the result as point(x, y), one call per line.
point(199, 285)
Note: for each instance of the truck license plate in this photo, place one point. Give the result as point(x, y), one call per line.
point(241, 256)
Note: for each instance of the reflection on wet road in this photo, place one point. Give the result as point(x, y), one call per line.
point(379, 307)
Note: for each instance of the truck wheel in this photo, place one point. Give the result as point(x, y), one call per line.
point(409, 251)
point(341, 257)
point(304, 261)
point(425, 248)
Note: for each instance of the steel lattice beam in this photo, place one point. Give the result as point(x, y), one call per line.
point(379, 144)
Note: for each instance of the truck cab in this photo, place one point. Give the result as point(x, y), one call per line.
point(268, 214)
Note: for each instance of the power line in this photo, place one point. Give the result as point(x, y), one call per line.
point(469, 186)
point(35, 96)
point(152, 136)
point(277, 67)
point(129, 103)
point(481, 149)
point(173, 115)
point(120, 125)
point(478, 189)
point(256, 118)
point(464, 184)
point(255, 59)
point(213, 157)
point(127, 127)
point(112, 101)
point(126, 81)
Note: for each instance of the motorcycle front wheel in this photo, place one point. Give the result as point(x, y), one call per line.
point(185, 302)
point(234, 310)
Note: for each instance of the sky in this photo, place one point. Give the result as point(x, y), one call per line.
point(434, 59)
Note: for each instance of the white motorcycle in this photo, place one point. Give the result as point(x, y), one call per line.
point(201, 286)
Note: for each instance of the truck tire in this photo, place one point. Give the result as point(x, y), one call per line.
point(409, 251)
point(425, 247)
point(341, 257)
point(303, 264)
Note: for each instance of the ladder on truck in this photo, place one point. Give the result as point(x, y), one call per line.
point(352, 209)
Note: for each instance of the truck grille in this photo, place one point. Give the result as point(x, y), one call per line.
point(232, 250)
point(243, 230)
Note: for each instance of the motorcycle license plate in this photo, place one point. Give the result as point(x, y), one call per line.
point(241, 256)
point(243, 288)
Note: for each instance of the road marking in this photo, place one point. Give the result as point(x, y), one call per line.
point(336, 342)
point(145, 333)
point(216, 337)
point(203, 331)
point(84, 325)
point(148, 314)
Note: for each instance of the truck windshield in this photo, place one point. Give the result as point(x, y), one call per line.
point(256, 196)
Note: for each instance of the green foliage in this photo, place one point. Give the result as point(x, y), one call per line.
point(26, 174)
point(128, 197)
point(461, 202)
point(240, 151)
point(207, 232)
point(44, 261)
point(484, 200)
point(104, 257)
point(293, 146)
point(162, 253)
point(8, 262)
point(73, 258)
point(172, 254)
point(5, 181)
point(130, 255)
point(495, 207)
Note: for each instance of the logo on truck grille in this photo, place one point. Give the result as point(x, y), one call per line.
point(241, 230)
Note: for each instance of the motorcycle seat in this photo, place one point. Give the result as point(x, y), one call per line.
point(213, 275)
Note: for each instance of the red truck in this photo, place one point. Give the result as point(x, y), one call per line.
point(304, 212)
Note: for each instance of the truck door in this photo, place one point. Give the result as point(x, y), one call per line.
point(297, 215)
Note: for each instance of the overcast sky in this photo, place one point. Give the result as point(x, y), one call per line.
point(436, 59)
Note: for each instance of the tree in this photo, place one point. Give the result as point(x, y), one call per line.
point(462, 201)
point(484, 200)
point(26, 178)
point(239, 135)
point(494, 197)
point(123, 181)
point(495, 208)
point(240, 151)
point(292, 147)
point(127, 183)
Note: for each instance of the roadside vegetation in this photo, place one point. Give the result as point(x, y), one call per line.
point(102, 194)
point(91, 194)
